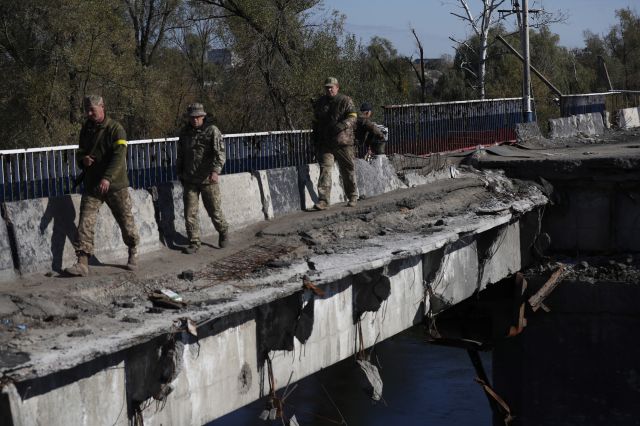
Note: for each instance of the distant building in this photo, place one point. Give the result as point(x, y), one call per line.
point(223, 57)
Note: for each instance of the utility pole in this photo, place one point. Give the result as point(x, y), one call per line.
point(526, 77)
point(523, 23)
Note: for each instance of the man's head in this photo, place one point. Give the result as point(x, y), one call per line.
point(94, 108)
point(365, 109)
point(331, 86)
point(196, 114)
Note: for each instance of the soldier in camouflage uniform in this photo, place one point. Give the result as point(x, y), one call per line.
point(368, 132)
point(333, 128)
point(102, 156)
point(201, 156)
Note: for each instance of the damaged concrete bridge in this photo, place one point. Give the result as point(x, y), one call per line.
point(292, 295)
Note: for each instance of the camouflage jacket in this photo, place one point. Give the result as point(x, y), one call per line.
point(334, 121)
point(200, 152)
point(107, 142)
point(367, 131)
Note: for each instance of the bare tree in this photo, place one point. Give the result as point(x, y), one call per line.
point(273, 31)
point(151, 20)
point(480, 24)
point(488, 18)
point(421, 77)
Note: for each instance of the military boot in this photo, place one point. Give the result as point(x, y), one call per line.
point(132, 262)
point(191, 249)
point(81, 268)
point(321, 205)
point(223, 240)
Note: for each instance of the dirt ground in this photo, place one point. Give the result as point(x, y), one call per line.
point(50, 315)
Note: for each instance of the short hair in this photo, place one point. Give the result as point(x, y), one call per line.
point(92, 100)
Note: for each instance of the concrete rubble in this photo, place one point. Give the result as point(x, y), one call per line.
point(290, 289)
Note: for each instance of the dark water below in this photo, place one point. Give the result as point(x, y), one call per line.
point(424, 384)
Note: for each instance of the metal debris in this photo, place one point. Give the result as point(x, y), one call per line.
point(536, 301)
point(243, 263)
point(308, 284)
point(519, 321)
point(161, 300)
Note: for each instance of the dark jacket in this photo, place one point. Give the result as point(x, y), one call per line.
point(200, 152)
point(107, 142)
point(334, 121)
point(367, 131)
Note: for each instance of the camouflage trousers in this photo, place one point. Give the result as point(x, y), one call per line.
point(212, 204)
point(343, 155)
point(120, 204)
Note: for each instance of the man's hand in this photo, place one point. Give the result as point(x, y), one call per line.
point(88, 160)
point(213, 177)
point(104, 186)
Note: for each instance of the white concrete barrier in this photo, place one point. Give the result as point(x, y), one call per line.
point(629, 118)
point(590, 124)
point(308, 179)
point(376, 177)
point(280, 191)
point(563, 127)
point(45, 228)
point(7, 271)
point(241, 206)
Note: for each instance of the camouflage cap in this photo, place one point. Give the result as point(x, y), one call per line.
point(195, 110)
point(331, 81)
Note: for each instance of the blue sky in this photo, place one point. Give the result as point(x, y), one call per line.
point(434, 23)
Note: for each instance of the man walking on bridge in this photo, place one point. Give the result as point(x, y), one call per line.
point(333, 127)
point(102, 156)
point(201, 156)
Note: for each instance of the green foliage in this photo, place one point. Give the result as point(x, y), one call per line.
point(148, 59)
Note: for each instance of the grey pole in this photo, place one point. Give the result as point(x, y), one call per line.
point(526, 80)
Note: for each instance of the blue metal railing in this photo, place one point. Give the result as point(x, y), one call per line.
point(448, 126)
point(413, 129)
point(51, 171)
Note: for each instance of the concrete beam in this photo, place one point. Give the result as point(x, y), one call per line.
point(95, 399)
